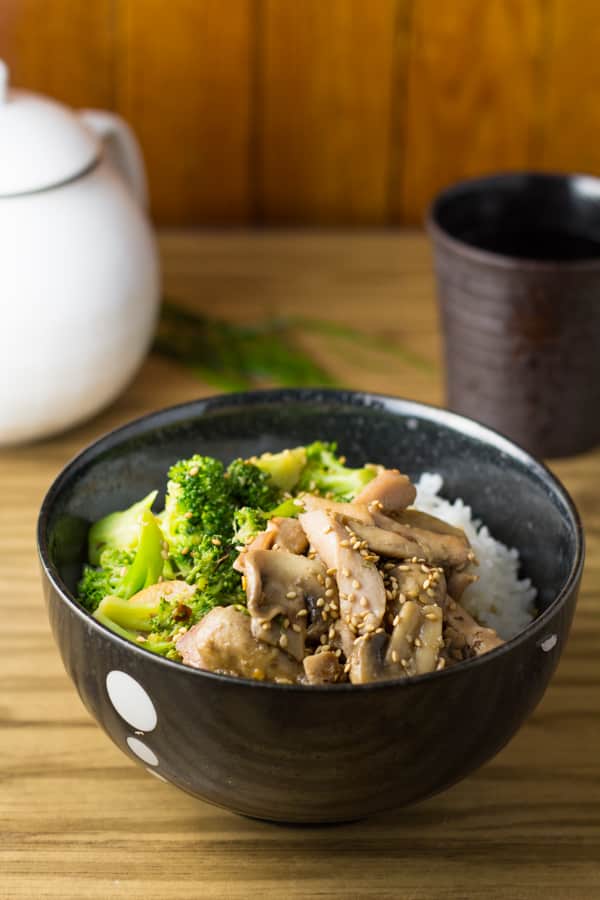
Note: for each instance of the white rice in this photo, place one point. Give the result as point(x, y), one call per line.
point(499, 599)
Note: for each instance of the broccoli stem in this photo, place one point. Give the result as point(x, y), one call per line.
point(134, 616)
point(101, 617)
point(147, 565)
point(118, 530)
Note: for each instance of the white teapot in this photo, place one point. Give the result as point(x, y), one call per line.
point(79, 274)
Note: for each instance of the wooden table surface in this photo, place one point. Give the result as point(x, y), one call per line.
point(78, 819)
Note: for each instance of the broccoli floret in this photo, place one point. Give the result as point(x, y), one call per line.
point(198, 500)
point(284, 468)
point(119, 530)
point(123, 573)
point(97, 583)
point(249, 485)
point(206, 562)
point(249, 522)
point(325, 473)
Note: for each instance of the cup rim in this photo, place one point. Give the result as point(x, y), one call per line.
point(171, 415)
point(441, 236)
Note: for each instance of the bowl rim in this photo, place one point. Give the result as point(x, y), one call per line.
point(170, 415)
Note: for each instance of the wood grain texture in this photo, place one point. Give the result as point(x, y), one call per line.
point(324, 101)
point(184, 83)
point(63, 48)
point(471, 95)
point(79, 820)
point(344, 111)
point(570, 114)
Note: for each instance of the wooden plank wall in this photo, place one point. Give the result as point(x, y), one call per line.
point(321, 111)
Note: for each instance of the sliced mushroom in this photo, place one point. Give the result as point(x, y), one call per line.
point(367, 660)
point(405, 542)
point(360, 585)
point(223, 642)
point(390, 491)
point(464, 637)
point(278, 586)
point(416, 640)
point(322, 668)
point(417, 519)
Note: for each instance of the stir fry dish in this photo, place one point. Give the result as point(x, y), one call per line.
point(290, 567)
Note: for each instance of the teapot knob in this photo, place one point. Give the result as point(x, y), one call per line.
point(3, 82)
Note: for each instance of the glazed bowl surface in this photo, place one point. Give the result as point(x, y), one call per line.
point(313, 754)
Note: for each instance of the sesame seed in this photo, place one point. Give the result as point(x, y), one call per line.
point(286, 623)
point(344, 543)
point(331, 571)
point(331, 633)
point(291, 595)
point(338, 653)
point(265, 626)
point(356, 584)
point(324, 615)
point(328, 581)
point(323, 639)
point(244, 582)
point(321, 602)
point(216, 541)
point(329, 592)
point(426, 584)
point(394, 656)
point(283, 641)
point(346, 573)
point(328, 530)
point(296, 628)
point(302, 612)
point(418, 642)
point(396, 621)
point(364, 602)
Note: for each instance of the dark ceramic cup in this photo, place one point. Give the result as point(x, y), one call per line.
point(517, 258)
point(329, 753)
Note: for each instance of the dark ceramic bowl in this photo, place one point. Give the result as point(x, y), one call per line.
point(318, 754)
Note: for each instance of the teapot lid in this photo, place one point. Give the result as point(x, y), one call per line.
point(42, 143)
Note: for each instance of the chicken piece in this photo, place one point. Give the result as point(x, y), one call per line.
point(281, 533)
point(413, 581)
point(458, 582)
point(167, 589)
point(360, 585)
point(278, 586)
point(342, 639)
point(223, 642)
point(464, 637)
point(289, 535)
point(264, 540)
point(406, 542)
point(322, 668)
point(389, 491)
point(342, 511)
